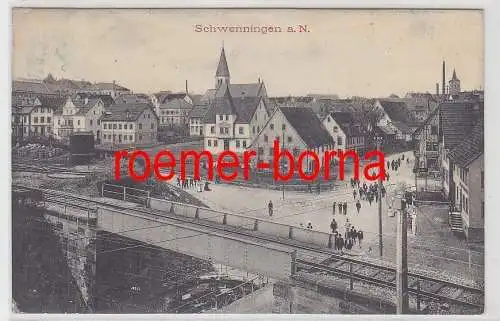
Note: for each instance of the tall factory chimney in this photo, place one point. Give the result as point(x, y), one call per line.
point(186, 86)
point(443, 88)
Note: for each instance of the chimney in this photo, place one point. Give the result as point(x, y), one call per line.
point(443, 88)
point(186, 87)
point(259, 80)
point(437, 88)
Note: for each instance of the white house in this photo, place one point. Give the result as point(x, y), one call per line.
point(345, 132)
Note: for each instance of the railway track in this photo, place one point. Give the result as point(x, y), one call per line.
point(420, 285)
point(19, 167)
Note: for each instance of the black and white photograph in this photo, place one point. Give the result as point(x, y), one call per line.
point(247, 161)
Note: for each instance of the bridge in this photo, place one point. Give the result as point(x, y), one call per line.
point(279, 251)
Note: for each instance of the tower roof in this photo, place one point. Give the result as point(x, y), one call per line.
point(222, 69)
point(454, 77)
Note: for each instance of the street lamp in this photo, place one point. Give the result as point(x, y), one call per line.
point(379, 143)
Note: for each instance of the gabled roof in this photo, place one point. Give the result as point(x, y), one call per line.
point(242, 90)
point(386, 130)
point(126, 112)
point(456, 121)
point(52, 102)
point(166, 97)
point(245, 108)
point(307, 125)
point(32, 86)
point(222, 68)
point(471, 147)
point(83, 108)
point(403, 127)
point(199, 111)
point(109, 86)
point(177, 103)
point(347, 123)
point(132, 98)
point(396, 110)
point(107, 100)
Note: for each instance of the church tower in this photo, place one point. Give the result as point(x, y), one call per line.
point(222, 75)
point(454, 84)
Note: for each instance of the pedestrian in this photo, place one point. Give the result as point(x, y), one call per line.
point(309, 225)
point(388, 164)
point(376, 197)
point(354, 234)
point(178, 181)
point(347, 226)
point(370, 199)
point(387, 176)
point(354, 193)
point(360, 237)
point(345, 208)
point(348, 244)
point(333, 226)
point(333, 208)
point(358, 206)
point(340, 208)
point(341, 243)
point(270, 206)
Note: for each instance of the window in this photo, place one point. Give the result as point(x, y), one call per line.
point(482, 179)
point(216, 142)
point(130, 137)
point(124, 126)
point(339, 140)
point(434, 130)
point(271, 151)
point(162, 119)
point(328, 120)
point(149, 116)
point(221, 117)
point(124, 137)
point(227, 117)
point(114, 126)
point(335, 129)
point(78, 122)
point(119, 126)
point(253, 129)
point(140, 127)
point(209, 142)
point(59, 122)
point(271, 126)
point(35, 120)
point(140, 137)
point(289, 139)
point(237, 143)
point(131, 126)
point(265, 139)
point(244, 144)
point(212, 129)
point(221, 130)
point(90, 122)
point(49, 120)
point(152, 125)
point(283, 127)
point(120, 137)
point(240, 130)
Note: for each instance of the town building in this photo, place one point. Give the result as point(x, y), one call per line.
point(78, 115)
point(297, 129)
point(174, 112)
point(107, 100)
point(129, 124)
point(196, 116)
point(345, 132)
point(22, 106)
point(232, 123)
point(396, 116)
point(467, 166)
point(454, 84)
point(130, 98)
point(223, 79)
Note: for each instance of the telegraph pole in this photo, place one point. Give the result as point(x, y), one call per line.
point(402, 262)
point(380, 206)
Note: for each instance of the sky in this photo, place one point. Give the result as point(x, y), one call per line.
point(371, 53)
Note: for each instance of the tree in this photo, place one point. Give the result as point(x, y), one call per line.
point(368, 115)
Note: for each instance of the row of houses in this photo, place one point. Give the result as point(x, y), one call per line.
point(451, 144)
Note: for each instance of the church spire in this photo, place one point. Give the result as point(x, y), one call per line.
point(454, 77)
point(222, 75)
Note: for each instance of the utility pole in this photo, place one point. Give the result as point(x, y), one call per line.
point(380, 245)
point(402, 262)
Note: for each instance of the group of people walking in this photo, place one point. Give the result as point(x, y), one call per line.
point(347, 240)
